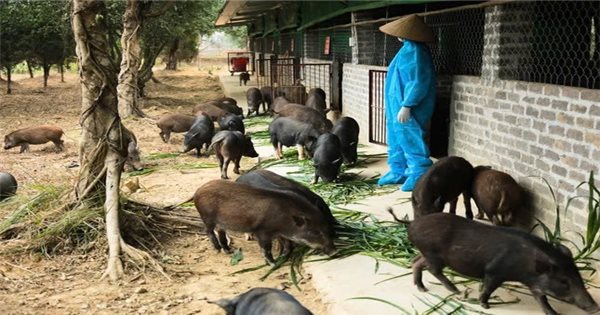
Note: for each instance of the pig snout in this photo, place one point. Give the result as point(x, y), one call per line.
point(584, 301)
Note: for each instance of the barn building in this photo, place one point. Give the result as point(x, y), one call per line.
point(518, 82)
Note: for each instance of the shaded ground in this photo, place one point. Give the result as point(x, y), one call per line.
point(68, 284)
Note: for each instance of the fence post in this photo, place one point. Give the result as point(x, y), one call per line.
point(336, 85)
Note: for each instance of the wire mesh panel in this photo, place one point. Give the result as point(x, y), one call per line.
point(286, 75)
point(377, 128)
point(329, 44)
point(555, 43)
point(458, 47)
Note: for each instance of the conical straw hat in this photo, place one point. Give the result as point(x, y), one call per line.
point(410, 27)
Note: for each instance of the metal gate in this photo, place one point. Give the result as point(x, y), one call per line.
point(288, 74)
point(377, 130)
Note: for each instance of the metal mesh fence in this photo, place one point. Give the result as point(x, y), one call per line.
point(457, 50)
point(555, 43)
point(338, 42)
point(458, 47)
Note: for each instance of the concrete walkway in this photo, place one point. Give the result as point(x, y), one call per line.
point(342, 281)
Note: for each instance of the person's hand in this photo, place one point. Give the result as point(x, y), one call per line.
point(404, 114)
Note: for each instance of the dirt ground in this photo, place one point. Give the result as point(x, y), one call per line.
point(70, 284)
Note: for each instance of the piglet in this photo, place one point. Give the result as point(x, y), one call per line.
point(8, 185)
point(174, 123)
point(347, 129)
point(231, 146)
point(34, 135)
point(327, 158)
point(497, 195)
point(443, 182)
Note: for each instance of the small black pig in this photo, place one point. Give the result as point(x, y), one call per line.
point(495, 255)
point(254, 98)
point(316, 102)
point(232, 122)
point(174, 123)
point(199, 135)
point(497, 195)
point(287, 132)
point(262, 301)
point(268, 214)
point(244, 77)
point(8, 185)
point(346, 129)
point(269, 180)
point(327, 158)
point(231, 146)
point(34, 135)
point(267, 96)
point(443, 182)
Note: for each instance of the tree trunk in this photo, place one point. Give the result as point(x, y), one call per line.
point(8, 78)
point(30, 69)
point(145, 73)
point(46, 68)
point(172, 55)
point(128, 77)
point(103, 145)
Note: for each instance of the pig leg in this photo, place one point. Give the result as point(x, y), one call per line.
point(286, 247)
point(543, 301)
point(436, 267)
point(419, 263)
point(453, 206)
point(210, 232)
point(266, 244)
point(279, 150)
point(236, 166)
point(490, 284)
point(300, 151)
point(24, 147)
point(316, 180)
point(59, 145)
point(467, 201)
point(223, 241)
point(224, 168)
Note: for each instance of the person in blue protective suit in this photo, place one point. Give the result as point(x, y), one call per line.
point(409, 97)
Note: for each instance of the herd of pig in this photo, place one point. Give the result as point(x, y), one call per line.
point(288, 212)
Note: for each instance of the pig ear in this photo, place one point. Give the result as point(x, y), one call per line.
point(564, 249)
point(299, 221)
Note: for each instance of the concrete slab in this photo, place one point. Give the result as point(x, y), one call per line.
point(342, 281)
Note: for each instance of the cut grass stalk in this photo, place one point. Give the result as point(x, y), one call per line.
point(160, 155)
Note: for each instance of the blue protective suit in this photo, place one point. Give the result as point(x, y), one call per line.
point(410, 82)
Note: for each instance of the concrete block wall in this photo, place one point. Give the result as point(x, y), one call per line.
point(355, 95)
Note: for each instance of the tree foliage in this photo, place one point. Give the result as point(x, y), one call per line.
point(238, 34)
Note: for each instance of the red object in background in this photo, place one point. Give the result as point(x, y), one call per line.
point(326, 48)
point(239, 64)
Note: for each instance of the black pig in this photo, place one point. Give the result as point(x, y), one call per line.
point(495, 255)
point(327, 158)
point(262, 301)
point(347, 130)
point(288, 132)
point(231, 146)
point(244, 77)
point(443, 182)
point(199, 135)
point(254, 98)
